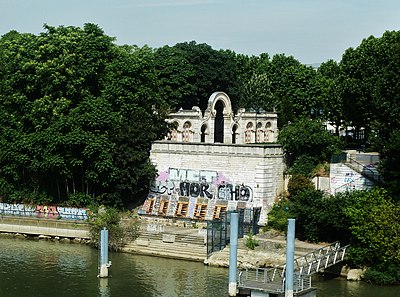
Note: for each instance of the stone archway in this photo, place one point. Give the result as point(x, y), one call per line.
point(219, 122)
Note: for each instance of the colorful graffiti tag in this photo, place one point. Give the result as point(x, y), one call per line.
point(199, 184)
point(43, 211)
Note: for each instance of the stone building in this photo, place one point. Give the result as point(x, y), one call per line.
point(216, 161)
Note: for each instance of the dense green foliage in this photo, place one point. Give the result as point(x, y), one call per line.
point(77, 116)
point(319, 218)
point(368, 220)
point(119, 232)
point(375, 226)
point(307, 137)
point(78, 113)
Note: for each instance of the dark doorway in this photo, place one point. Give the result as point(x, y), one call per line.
point(219, 122)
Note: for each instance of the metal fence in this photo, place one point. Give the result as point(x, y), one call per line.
point(218, 231)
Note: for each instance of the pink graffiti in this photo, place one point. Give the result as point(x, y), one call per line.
point(221, 179)
point(163, 176)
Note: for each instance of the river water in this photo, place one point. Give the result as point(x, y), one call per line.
point(31, 268)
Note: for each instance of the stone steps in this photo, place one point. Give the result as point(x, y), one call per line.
point(175, 250)
point(169, 242)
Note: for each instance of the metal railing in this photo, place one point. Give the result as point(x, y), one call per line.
point(268, 280)
point(273, 279)
point(364, 170)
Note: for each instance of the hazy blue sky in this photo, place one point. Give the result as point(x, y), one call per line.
point(310, 30)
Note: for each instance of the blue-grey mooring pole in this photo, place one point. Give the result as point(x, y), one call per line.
point(104, 263)
point(233, 248)
point(289, 258)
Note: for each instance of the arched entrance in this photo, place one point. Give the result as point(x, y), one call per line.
point(219, 122)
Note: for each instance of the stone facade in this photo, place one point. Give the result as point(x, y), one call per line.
point(201, 174)
point(220, 125)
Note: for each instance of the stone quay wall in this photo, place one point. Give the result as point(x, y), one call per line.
point(44, 227)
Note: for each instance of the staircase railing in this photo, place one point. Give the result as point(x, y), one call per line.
point(347, 186)
point(364, 170)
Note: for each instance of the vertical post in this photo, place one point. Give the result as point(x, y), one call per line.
point(289, 258)
point(233, 253)
point(104, 264)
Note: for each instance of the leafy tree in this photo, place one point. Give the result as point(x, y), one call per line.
point(332, 103)
point(175, 74)
point(369, 77)
point(257, 93)
point(141, 114)
point(213, 71)
point(307, 137)
point(374, 224)
point(390, 164)
point(78, 115)
point(295, 88)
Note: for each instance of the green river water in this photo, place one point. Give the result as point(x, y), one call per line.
point(30, 268)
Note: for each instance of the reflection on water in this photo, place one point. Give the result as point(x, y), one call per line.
point(104, 290)
point(340, 287)
point(35, 268)
point(31, 268)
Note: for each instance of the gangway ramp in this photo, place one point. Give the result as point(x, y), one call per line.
point(272, 280)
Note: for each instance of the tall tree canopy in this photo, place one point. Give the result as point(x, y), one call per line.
point(78, 113)
point(370, 79)
point(71, 102)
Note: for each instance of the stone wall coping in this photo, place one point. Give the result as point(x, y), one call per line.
point(263, 150)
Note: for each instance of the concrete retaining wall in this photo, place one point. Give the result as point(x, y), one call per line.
point(47, 227)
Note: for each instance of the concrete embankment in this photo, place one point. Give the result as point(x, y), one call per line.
point(44, 227)
point(169, 239)
point(166, 238)
point(183, 240)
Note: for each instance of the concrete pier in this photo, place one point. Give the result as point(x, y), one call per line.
point(234, 228)
point(104, 263)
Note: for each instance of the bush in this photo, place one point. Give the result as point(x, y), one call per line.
point(320, 217)
point(299, 183)
point(119, 233)
point(303, 165)
point(374, 220)
point(79, 200)
point(389, 275)
point(251, 242)
point(279, 214)
point(27, 197)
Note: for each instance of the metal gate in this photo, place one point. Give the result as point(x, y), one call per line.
point(218, 231)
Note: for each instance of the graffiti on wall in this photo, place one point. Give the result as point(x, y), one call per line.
point(199, 184)
point(43, 211)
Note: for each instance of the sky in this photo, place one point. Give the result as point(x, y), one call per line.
point(312, 31)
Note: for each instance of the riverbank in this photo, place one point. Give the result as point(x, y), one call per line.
point(173, 239)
